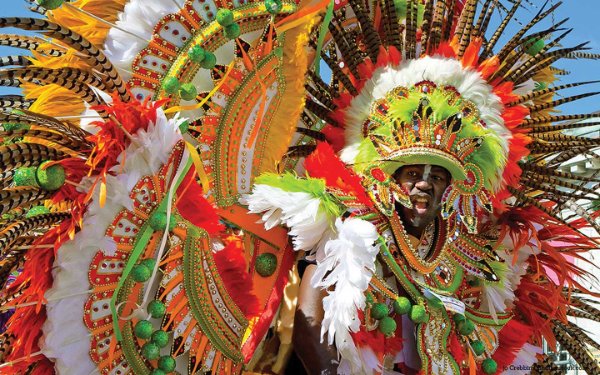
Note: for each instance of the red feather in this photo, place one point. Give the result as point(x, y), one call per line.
point(324, 163)
point(234, 272)
point(511, 339)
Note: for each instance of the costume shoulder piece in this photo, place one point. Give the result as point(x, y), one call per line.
point(150, 137)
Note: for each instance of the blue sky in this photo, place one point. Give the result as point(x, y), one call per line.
point(584, 18)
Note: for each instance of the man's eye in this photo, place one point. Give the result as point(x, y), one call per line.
point(412, 174)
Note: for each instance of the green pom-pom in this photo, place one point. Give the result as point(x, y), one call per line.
point(379, 311)
point(534, 46)
point(149, 262)
point(273, 6)
point(184, 127)
point(143, 329)
point(50, 4)
point(158, 371)
point(265, 264)
point(25, 176)
point(37, 210)
point(466, 328)
point(387, 326)
point(458, 318)
point(158, 221)
point(233, 31)
point(224, 17)
point(156, 309)
point(150, 351)
point(418, 314)
point(160, 338)
point(51, 178)
point(402, 305)
point(141, 273)
point(171, 85)
point(166, 363)
point(478, 347)
point(188, 91)
point(489, 366)
point(210, 60)
point(197, 54)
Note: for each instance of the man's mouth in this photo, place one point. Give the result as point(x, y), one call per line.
point(421, 204)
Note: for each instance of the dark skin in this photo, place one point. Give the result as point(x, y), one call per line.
point(425, 185)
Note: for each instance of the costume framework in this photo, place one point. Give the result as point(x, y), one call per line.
point(170, 159)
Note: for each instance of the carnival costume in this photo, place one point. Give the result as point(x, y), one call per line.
point(164, 150)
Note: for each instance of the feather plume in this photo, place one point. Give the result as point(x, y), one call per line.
point(345, 272)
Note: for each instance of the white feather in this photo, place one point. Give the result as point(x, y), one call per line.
point(346, 271)
point(310, 224)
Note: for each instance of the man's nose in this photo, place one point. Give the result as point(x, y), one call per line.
point(423, 185)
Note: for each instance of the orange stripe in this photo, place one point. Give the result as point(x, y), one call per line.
point(167, 51)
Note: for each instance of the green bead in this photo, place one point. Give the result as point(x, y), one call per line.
point(160, 338)
point(233, 31)
point(379, 311)
point(466, 328)
point(210, 60)
point(50, 4)
point(166, 363)
point(489, 366)
point(158, 221)
point(418, 314)
point(273, 6)
point(387, 326)
point(188, 91)
point(478, 347)
point(534, 46)
point(150, 351)
point(458, 318)
point(141, 273)
point(51, 178)
point(25, 176)
point(224, 17)
point(143, 329)
point(37, 210)
point(196, 54)
point(156, 309)
point(171, 85)
point(158, 371)
point(402, 305)
point(266, 264)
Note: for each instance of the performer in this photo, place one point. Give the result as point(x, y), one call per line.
point(169, 161)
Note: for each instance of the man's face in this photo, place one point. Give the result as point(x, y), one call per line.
point(425, 185)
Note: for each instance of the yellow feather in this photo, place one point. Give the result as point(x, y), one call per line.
point(88, 27)
point(68, 60)
point(53, 100)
